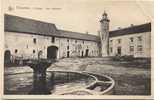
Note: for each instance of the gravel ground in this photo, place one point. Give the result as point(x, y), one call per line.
point(129, 80)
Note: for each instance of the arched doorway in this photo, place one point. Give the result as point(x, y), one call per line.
point(52, 52)
point(7, 57)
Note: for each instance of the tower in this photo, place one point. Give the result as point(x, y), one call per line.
point(104, 35)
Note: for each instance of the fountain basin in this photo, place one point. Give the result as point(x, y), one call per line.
point(65, 83)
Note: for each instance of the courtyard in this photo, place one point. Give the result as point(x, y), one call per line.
point(131, 78)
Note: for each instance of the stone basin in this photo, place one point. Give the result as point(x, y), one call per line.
point(64, 83)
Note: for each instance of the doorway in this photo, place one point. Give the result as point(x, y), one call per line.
point(52, 52)
point(82, 54)
point(68, 54)
point(7, 57)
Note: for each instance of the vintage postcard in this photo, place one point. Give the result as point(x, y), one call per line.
point(77, 49)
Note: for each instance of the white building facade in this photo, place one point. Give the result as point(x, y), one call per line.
point(24, 40)
point(134, 41)
point(32, 39)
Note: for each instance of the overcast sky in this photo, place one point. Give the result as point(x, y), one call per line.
point(82, 15)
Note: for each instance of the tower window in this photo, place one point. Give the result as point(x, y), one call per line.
point(83, 42)
point(67, 47)
point(16, 51)
point(53, 39)
point(111, 50)
point(75, 41)
point(34, 40)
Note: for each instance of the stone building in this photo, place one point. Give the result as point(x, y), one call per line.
point(133, 40)
point(30, 39)
point(33, 39)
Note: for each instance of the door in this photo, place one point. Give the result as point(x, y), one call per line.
point(87, 50)
point(68, 54)
point(7, 57)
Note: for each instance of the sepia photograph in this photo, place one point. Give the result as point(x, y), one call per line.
point(77, 47)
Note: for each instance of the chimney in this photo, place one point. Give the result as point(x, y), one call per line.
point(87, 32)
point(119, 28)
point(131, 25)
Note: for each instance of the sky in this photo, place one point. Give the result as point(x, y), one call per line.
point(83, 15)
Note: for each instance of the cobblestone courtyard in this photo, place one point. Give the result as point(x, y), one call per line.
point(129, 79)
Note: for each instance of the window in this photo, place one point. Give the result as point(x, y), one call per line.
point(139, 38)
point(131, 48)
point(34, 40)
point(111, 41)
point(67, 47)
point(111, 50)
point(119, 41)
point(83, 42)
point(139, 48)
point(76, 41)
point(16, 51)
point(67, 40)
point(33, 51)
point(27, 46)
point(131, 39)
point(53, 39)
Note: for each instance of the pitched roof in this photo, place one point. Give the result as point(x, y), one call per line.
point(131, 30)
point(30, 26)
point(77, 35)
point(25, 25)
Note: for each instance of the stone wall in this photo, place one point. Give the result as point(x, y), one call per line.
point(141, 46)
point(25, 46)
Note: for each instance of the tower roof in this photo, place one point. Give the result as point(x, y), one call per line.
point(104, 14)
point(104, 17)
